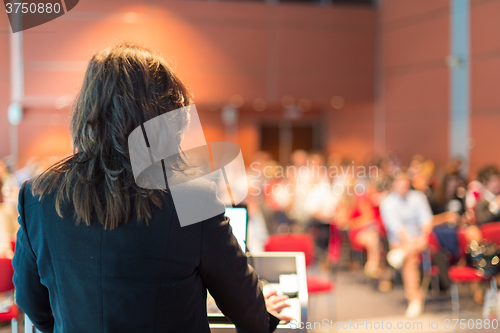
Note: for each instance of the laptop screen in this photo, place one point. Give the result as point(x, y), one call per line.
point(238, 219)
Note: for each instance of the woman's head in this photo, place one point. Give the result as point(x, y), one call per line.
point(448, 187)
point(124, 86)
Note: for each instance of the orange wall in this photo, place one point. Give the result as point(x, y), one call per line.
point(256, 50)
point(219, 49)
point(351, 131)
point(485, 83)
point(414, 43)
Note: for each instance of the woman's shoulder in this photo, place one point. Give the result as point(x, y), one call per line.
point(30, 194)
point(26, 195)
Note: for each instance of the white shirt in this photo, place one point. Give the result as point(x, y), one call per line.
point(410, 213)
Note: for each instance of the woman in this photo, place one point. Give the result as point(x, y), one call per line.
point(97, 253)
point(449, 209)
point(356, 214)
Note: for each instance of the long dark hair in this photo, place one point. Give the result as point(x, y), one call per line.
point(441, 194)
point(124, 86)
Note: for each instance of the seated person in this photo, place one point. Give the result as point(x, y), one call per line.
point(488, 207)
point(355, 213)
point(407, 217)
point(448, 207)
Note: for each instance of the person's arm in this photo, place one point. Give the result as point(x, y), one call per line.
point(446, 217)
point(31, 296)
point(233, 283)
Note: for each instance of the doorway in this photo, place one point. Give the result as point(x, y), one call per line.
point(282, 138)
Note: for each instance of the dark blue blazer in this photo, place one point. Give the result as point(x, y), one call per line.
point(84, 279)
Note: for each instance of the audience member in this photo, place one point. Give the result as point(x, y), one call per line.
point(320, 205)
point(356, 214)
point(448, 207)
point(407, 217)
point(488, 208)
point(299, 180)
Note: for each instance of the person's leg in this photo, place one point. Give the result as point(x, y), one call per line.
point(386, 272)
point(411, 277)
point(369, 239)
point(442, 261)
point(411, 284)
point(324, 236)
point(316, 229)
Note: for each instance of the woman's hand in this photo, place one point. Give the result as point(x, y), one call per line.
point(274, 305)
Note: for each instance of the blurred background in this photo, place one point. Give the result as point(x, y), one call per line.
point(396, 84)
point(346, 76)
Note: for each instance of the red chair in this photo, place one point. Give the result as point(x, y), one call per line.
point(288, 242)
point(433, 244)
point(491, 232)
point(300, 243)
point(6, 284)
point(461, 274)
